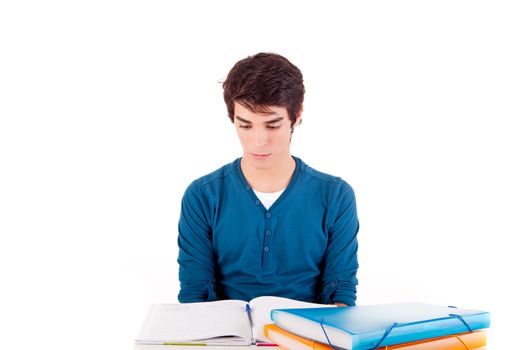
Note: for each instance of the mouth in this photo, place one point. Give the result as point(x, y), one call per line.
point(260, 155)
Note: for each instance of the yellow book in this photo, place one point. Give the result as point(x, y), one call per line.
point(462, 341)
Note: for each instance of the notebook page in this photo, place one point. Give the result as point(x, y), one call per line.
point(262, 307)
point(195, 321)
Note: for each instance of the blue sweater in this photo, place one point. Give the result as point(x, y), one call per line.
point(303, 247)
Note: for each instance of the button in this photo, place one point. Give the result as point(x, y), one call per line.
point(266, 249)
point(268, 233)
point(257, 202)
point(247, 187)
point(332, 285)
point(268, 215)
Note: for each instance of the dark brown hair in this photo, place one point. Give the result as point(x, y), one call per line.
point(263, 80)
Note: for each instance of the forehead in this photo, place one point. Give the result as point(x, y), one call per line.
point(266, 112)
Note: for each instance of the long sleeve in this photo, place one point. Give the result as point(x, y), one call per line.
point(340, 265)
point(302, 247)
point(196, 256)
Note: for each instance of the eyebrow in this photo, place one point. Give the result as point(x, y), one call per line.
point(275, 120)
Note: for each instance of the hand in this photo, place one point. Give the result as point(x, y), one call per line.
point(340, 304)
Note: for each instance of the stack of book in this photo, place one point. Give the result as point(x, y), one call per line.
point(407, 326)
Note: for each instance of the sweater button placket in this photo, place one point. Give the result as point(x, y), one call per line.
point(266, 239)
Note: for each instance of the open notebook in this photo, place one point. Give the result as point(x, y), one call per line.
point(224, 322)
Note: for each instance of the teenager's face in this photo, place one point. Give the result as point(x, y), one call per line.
point(265, 137)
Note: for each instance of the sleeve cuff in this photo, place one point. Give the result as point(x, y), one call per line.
point(194, 292)
point(338, 292)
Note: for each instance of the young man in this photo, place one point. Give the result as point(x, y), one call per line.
point(267, 223)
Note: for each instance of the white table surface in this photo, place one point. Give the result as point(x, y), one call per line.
point(193, 347)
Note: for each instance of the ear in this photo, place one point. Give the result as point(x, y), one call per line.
point(299, 118)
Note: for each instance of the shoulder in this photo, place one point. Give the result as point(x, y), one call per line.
point(329, 182)
point(215, 178)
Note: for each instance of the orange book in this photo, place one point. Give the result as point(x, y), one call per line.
point(290, 341)
point(462, 341)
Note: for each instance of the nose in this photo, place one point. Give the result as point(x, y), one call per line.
point(261, 137)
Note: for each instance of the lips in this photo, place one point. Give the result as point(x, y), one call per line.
point(261, 155)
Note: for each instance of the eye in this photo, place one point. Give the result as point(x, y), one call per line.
point(274, 126)
point(245, 126)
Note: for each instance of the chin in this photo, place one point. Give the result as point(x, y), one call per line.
point(261, 165)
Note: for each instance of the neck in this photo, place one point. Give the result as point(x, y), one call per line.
point(271, 179)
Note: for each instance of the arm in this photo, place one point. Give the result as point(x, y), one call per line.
point(340, 267)
point(196, 257)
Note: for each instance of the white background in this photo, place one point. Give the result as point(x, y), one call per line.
point(109, 109)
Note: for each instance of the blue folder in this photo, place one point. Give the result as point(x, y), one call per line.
point(371, 326)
